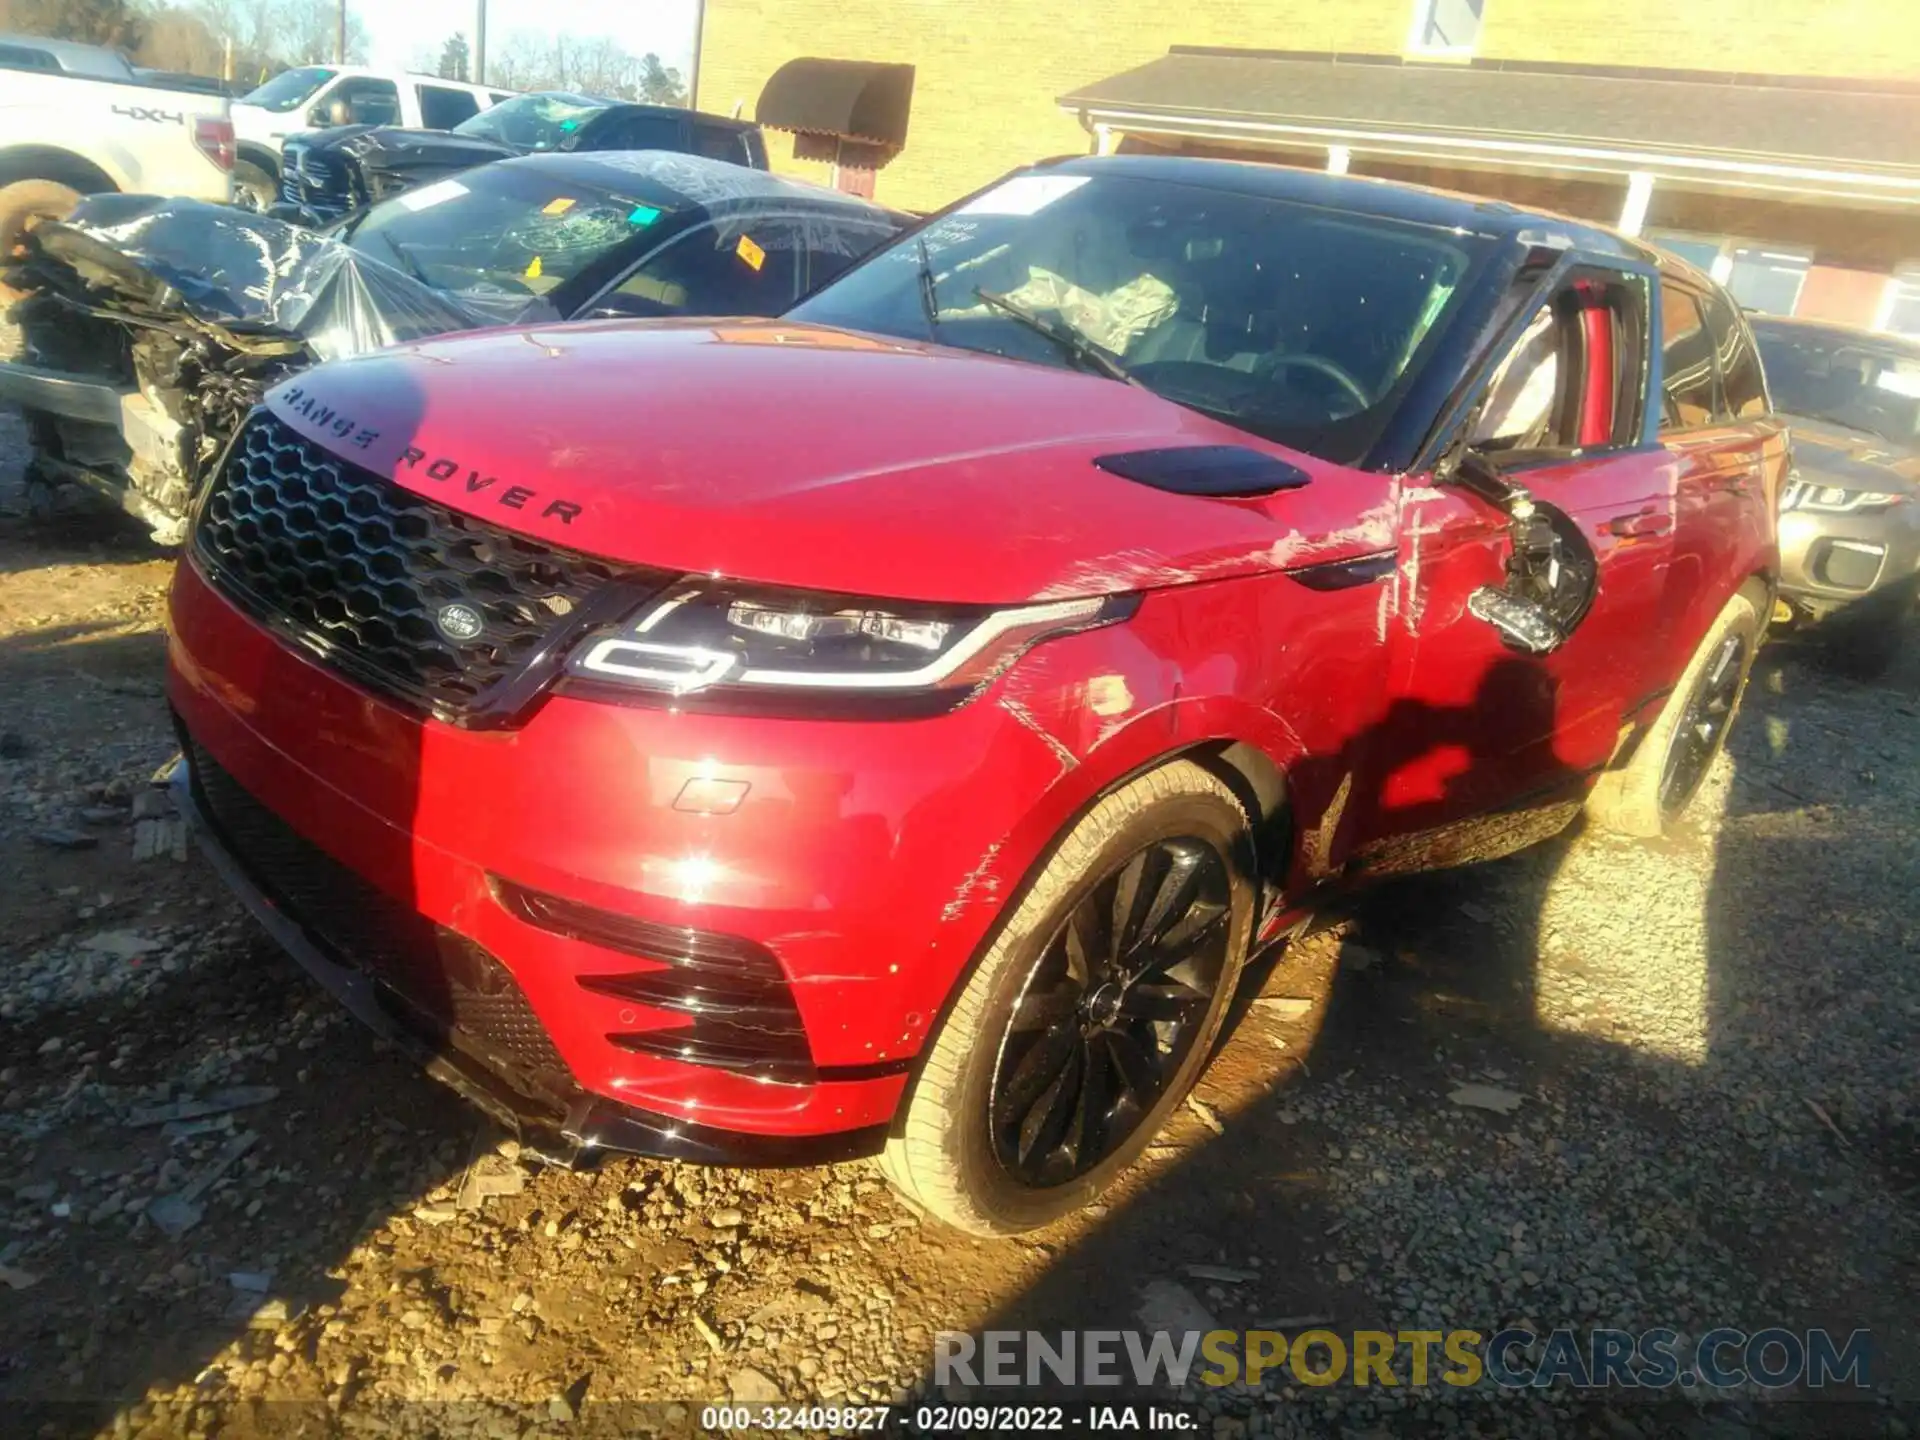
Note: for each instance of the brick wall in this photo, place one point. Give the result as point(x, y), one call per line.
point(988, 71)
point(1866, 38)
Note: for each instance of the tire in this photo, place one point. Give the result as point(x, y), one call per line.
point(947, 1155)
point(253, 187)
point(1645, 797)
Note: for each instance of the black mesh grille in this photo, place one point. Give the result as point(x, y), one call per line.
point(444, 984)
point(360, 570)
point(314, 180)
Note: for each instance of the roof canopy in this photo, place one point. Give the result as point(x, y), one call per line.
point(851, 99)
point(1809, 135)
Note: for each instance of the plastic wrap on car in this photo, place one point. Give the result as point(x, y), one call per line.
point(247, 273)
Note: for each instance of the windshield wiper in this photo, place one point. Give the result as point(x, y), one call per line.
point(1077, 346)
point(929, 297)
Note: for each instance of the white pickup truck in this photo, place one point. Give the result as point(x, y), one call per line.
point(64, 134)
point(314, 97)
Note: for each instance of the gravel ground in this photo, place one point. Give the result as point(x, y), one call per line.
point(1710, 1041)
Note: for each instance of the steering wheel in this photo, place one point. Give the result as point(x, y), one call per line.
point(1323, 366)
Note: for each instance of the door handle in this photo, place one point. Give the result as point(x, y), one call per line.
point(1640, 525)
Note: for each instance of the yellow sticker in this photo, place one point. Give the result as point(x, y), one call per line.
point(750, 252)
point(557, 207)
point(533, 270)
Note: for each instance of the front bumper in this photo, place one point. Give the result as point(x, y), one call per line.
point(865, 863)
point(1829, 563)
point(567, 1133)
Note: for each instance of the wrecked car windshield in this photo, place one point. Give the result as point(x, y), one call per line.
point(500, 231)
point(532, 122)
point(1300, 324)
point(288, 88)
point(1831, 375)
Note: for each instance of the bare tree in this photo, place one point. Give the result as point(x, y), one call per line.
point(98, 22)
point(592, 64)
point(304, 32)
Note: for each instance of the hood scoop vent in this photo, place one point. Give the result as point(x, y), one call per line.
point(1219, 472)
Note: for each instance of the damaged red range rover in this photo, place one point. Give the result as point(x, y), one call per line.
point(891, 728)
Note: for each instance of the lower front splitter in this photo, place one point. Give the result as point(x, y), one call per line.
point(575, 1134)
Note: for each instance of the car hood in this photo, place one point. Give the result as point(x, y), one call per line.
point(1853, 458)
point(805, 456)
point(253, 280)
point(395, 148)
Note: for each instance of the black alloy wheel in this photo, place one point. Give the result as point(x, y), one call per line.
point(1703, 728)
point(1109, 1013)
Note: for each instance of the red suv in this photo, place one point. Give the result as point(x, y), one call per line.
point(892, 727)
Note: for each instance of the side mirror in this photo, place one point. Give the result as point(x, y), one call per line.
point(1552, 572)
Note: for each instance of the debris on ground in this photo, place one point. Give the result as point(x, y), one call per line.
point(179, 1212)
point(1486, 1097)
point(219, 1102)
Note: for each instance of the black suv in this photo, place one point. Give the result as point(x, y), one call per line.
point(330, 173)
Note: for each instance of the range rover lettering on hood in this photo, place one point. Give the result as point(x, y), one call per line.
point(309, 412)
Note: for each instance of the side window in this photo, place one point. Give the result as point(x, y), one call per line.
point(368, 101)
point(442, 109)
point(1571, 381)
point(19, 57)
point(1686, 354)
point(641, 132)
point(735, 267)
point(716, 142)
point(1741, 386)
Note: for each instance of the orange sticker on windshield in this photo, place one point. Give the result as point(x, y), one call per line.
point(557, 207)
point(750, 252)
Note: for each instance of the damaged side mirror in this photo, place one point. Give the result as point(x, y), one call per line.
point(1552, 572)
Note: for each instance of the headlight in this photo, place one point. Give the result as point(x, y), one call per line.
point(722, 642)
point(1834, 499)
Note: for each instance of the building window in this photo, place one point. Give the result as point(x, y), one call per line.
point(1445, 27)
point(1763, 278)
point(1900, 310)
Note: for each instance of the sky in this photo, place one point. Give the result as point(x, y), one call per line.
point(397, 28)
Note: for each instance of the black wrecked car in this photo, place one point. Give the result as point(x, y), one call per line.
point(150, 327)
point(326, 174)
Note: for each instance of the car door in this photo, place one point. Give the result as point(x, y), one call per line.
point(1474, 724)
point(1711, 392)
point(442, 107)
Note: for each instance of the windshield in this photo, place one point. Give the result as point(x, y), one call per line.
point(1299, 324)
point(1842, 378)
point(532, 122)
point(501, 232)
point(289, 88)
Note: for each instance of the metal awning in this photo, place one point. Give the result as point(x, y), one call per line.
point(1809, 136)
point(851, 99)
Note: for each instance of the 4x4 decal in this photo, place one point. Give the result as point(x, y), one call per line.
point(141, 112)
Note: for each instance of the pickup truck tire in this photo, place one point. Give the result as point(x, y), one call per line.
point(1652, 790)
point(253, 188)
point(1170, 852)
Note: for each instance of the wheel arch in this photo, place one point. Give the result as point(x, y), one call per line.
point(263, 156)
point(51, 162)
point(1249, 769)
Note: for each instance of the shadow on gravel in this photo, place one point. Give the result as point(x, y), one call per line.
point(1347, 1192)
point(314, 1181)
